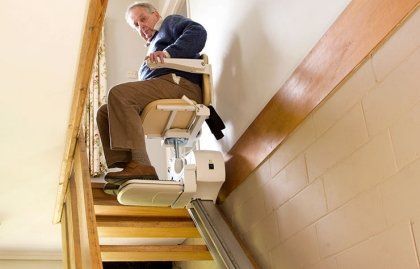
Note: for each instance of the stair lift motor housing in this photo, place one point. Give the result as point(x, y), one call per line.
point(200, 180)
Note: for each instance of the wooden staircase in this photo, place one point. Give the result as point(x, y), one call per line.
point(90, 216)
point(117, 221)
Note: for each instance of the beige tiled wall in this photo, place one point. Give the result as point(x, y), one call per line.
point(343, 191)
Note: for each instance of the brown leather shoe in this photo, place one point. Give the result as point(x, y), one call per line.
point(111, 189)
point(133, 170)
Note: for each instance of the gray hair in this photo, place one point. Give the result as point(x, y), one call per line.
point(149, 7)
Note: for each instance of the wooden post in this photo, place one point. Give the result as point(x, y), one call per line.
point(80, 236)
point(65, 240)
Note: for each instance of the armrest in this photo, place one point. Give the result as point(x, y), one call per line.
point(187, 65)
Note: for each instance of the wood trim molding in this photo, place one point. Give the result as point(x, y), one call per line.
point(359, 30)
point(91, 34)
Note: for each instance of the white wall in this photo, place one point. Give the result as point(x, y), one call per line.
point(125, 49)
point(342, 192)
point(30, 264)
point(254, 46)
point(125, 52)
point(39, 47)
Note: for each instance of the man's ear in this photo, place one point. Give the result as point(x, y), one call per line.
point(157, 14)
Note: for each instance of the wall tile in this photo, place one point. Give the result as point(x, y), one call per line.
point(262, 238)
point(281, 259)
point(356, 221)
point(229, 204)
point(266, 232)
point(286, 183)
point(295, 143)
point(249, 213)
point(303, 247)
point(415, 223)
point(392, 249)
point(299, 251)
point(337, 143)
point(329, 263)
point(252, 186)
point(261, 175)
point(344, 98)
point(405, 137)
point(401, 44)
point(256, 181)
point(397, 94)
point(303, 209)
point(401, 194)
point(362, 170)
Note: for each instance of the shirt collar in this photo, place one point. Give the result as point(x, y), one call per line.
point(157, 27)
point(158, 24)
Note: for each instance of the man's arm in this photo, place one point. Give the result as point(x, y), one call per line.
point(190, 38)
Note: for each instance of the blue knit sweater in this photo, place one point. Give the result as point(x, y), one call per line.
point(181, 38)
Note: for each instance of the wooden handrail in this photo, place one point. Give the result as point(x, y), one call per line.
point(359, 30)
point(91, 35)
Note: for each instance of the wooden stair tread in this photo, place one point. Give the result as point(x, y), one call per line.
point(101, 198)
point(97, 185)
point(140, 211)
point(141, 222)
point(155, 253)
point(146, 227)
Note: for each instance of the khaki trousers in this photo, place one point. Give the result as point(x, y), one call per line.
point(119, 121)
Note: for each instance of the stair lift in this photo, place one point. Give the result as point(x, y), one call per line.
point(177, 122)
point(195, 176)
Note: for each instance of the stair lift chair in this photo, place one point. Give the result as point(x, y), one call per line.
point(193, 174)
point(196, 176)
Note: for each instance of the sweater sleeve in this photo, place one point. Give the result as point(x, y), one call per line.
point(190, 38)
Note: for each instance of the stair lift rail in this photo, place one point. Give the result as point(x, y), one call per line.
point(219, 238)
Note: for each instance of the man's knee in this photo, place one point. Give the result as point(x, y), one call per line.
point(116, 93)
point(102, 113)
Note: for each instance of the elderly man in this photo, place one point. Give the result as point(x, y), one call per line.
point(119, 121)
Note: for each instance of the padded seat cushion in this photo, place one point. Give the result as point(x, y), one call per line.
point(154, 120)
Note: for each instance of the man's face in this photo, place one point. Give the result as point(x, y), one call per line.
point(144, 21)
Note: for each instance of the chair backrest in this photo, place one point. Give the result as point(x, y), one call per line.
point(207, 84)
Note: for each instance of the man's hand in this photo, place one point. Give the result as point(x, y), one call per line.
point(157, 56)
